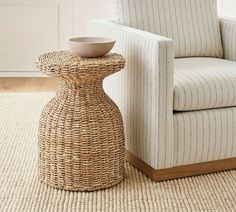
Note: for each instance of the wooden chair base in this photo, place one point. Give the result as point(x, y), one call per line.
point(180, 171)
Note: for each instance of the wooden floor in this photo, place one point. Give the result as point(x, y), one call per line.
point(27, 84)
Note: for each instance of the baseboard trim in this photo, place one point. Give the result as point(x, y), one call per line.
point(180, 171)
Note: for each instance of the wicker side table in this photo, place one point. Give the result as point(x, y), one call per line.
point(81, 135)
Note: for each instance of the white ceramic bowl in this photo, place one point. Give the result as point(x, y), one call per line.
point(91, 46)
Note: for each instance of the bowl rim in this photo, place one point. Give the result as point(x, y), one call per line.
point(105, 40)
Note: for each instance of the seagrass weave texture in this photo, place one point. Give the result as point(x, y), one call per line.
point(81, 135)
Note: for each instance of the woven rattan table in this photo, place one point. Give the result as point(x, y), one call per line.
point(81, 135)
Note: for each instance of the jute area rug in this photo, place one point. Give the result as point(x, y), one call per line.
point(20, 189)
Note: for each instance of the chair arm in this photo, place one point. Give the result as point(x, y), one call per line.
point(228, 33)
point(144, 91)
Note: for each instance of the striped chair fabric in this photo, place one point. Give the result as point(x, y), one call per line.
point(143, 94)
point(202, 83)
point(206, 135)
point(228, 32)
point(192, 24)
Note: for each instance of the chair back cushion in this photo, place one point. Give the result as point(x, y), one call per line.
point(192, 24)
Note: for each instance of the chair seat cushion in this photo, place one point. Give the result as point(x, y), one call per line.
point(203, 83)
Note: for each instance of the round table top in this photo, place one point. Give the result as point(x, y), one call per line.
point(67, 63)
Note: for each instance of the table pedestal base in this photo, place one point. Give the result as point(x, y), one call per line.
point(81, 139)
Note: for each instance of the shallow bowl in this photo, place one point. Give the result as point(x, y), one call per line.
point(91, 46)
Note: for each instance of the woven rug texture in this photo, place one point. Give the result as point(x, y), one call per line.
point(20, 189)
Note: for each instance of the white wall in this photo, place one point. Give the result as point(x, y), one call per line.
point(29, 28)
point(228, 8)
point(85, 10)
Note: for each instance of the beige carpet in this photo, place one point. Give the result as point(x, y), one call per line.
point(20, 189)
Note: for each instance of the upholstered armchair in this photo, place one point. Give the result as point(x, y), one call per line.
point(177, 93)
